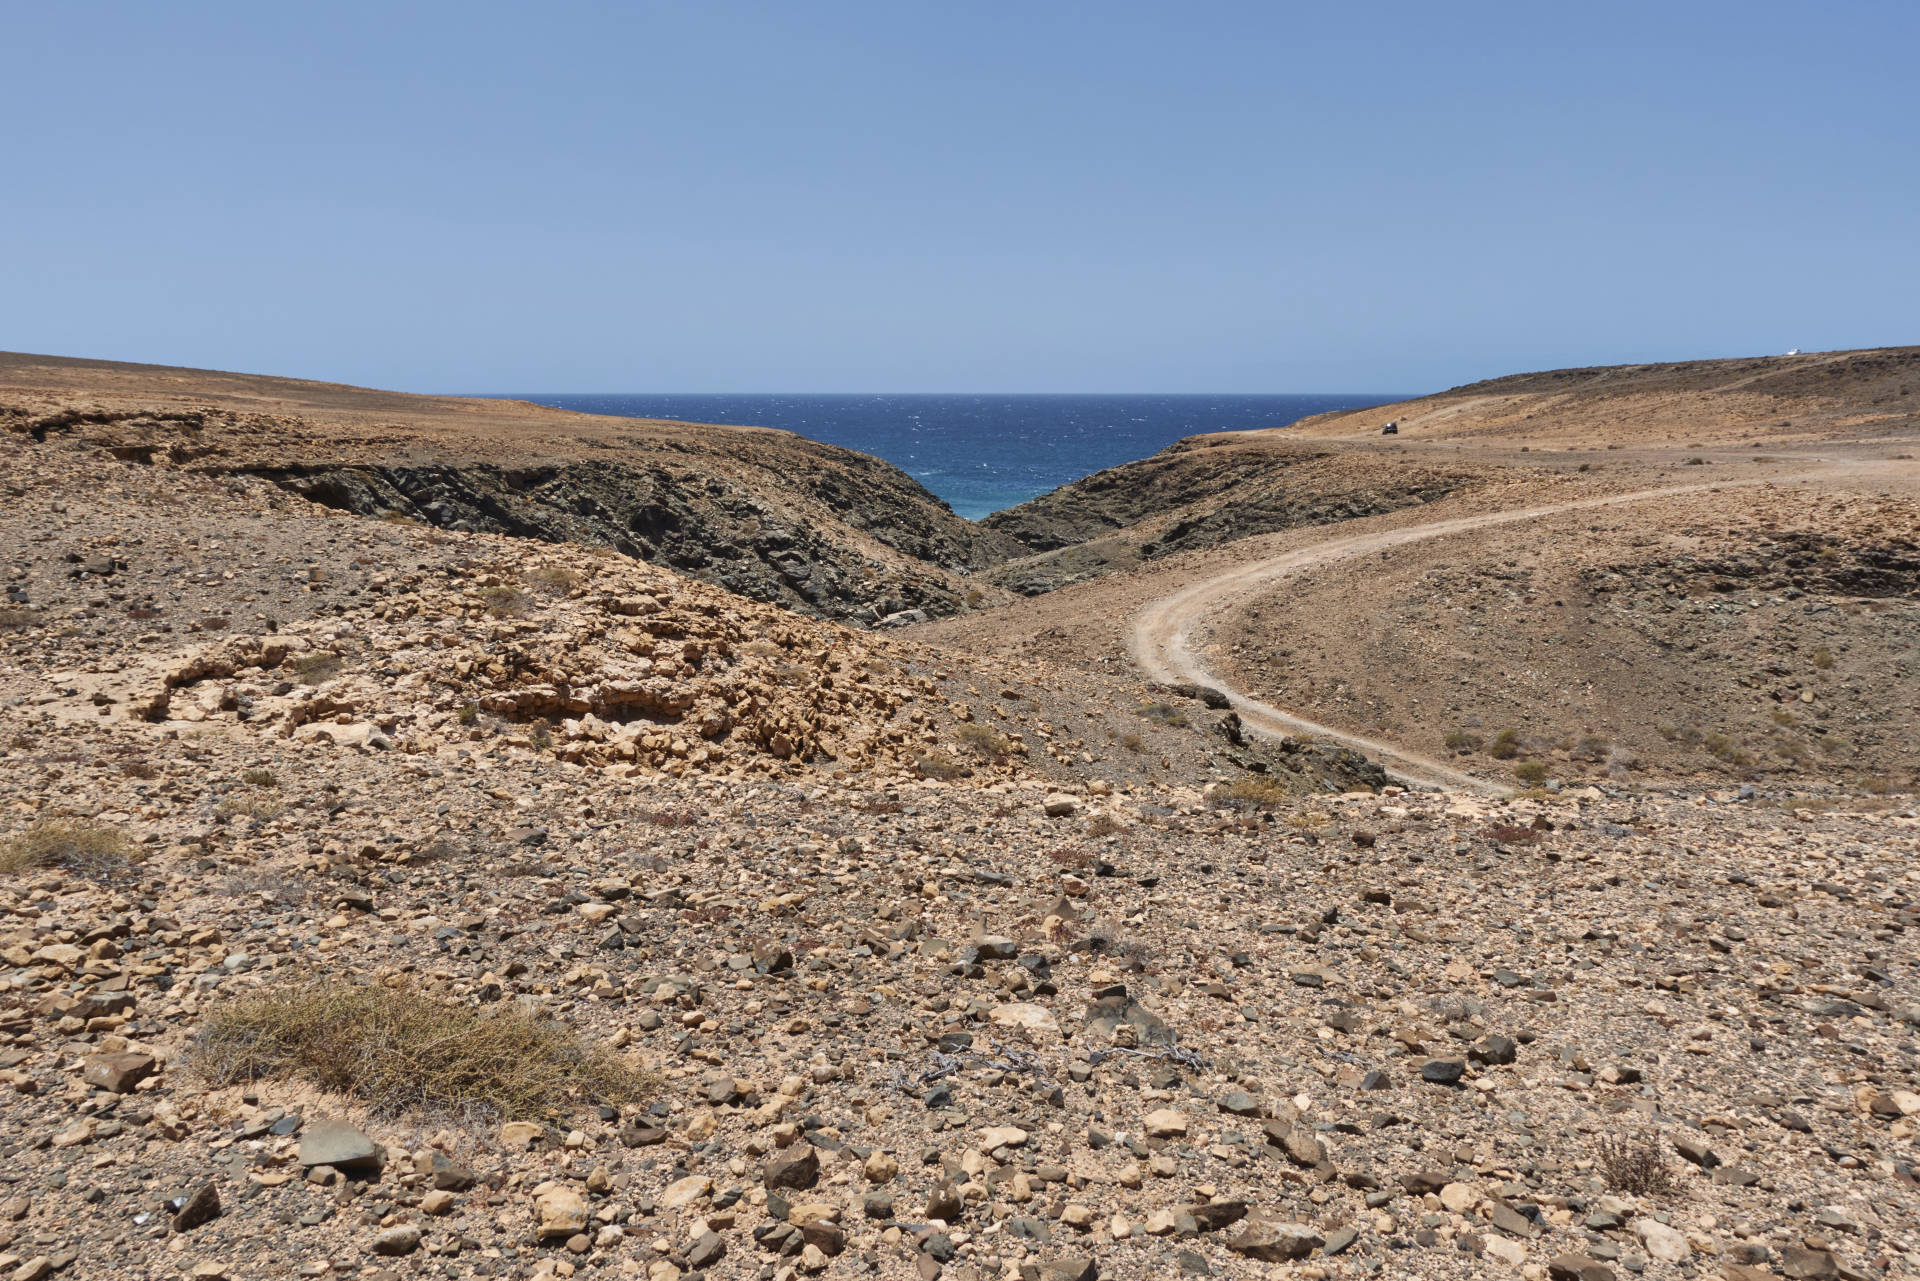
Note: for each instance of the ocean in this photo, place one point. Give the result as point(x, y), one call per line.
point(981, 453)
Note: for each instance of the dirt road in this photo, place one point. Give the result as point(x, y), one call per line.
point(1162, 638)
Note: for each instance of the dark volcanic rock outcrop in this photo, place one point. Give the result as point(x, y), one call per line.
point(1202, 492)
point(707, 526)
point(765, 513)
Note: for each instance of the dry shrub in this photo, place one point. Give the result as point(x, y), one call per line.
point(1161, 713)
point(313, 669)
point(1104, 825)
point(982, 740)
point(140, 770)
point(1506, 745)
point(99, 853)
point(1726, 749)
point(504, 602)
point(259, 778)
point(940, 766)
point(264, 808)
point(1252, 794)
point(1509, 834)
point(668, 818)
point(1636, 1164)
point(1534, 772)
point(399, 1050)
point(1133, 743)
point(556, 580)
point(14, 619)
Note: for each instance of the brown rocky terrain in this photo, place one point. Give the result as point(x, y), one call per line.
point(961, 952)
point(1202, 492)
point(1768, 635)
point(764, 513)
point(1811, 398)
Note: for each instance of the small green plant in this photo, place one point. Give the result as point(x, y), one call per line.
point(1461, 740)
point(1161, 714)
point(1505, 746)
point(98, 853)
point(468, 714)
point(1592, 748)
point(1531, 772)
point(541, 732)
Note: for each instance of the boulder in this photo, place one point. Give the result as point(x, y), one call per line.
point(345, 1147)
point(1272, 1241)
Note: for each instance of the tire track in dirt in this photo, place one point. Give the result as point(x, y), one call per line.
point(1162, 642)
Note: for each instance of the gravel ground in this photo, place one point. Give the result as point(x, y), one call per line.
point(1084, 1011)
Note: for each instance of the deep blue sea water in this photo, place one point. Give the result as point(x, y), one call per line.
point(982, 452)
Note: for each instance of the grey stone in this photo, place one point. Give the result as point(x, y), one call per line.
point(334, 1142)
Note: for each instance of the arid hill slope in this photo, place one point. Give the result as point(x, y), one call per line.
point(819, 953)
point(1214, 489)
point(765, 513)
point(1871, 394)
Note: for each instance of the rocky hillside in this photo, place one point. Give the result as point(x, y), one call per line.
point(770, 515)
point(1203, 492)
point(387, 900)
point(1748, 635)
point(1872, 394)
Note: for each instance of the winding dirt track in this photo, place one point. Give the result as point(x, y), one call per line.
point(1162, 641)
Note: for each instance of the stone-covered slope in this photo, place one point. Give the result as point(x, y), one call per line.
point(768, 514)
point(1202, 492)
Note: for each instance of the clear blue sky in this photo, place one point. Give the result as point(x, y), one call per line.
point(899, 196)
